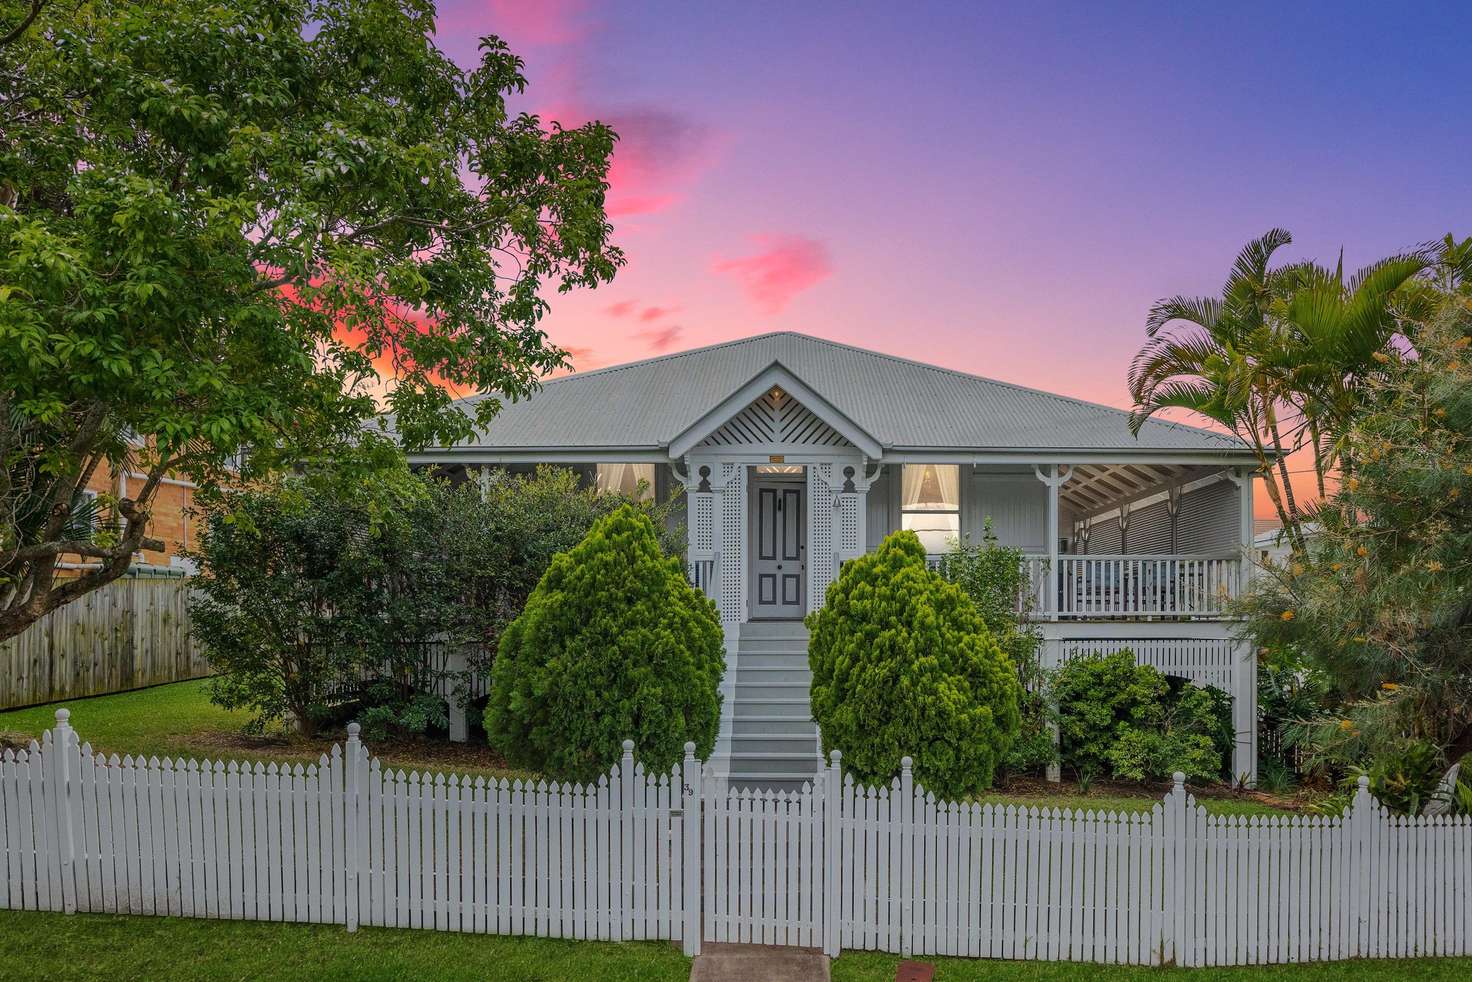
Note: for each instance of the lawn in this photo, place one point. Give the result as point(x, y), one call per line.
point(87, 946)
point(92, 946)
point(178, 720)
point(866, 966)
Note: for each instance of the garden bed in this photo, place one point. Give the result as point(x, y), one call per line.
point(179, 720)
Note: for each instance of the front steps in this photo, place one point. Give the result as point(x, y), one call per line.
point(774, 741)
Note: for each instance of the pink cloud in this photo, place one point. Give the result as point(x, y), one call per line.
point(539, 21)
point(785, 267)
point(583, 359)
point(661, 338)
point(655, 313)
point(659, 152)
point(621, 309)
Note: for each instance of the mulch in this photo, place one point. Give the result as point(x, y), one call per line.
point(1039, 787)
point(426, 752)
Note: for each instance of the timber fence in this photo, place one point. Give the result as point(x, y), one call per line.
point(833, 864)
point(130, 633)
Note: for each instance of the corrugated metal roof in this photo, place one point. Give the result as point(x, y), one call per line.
point(901, 403)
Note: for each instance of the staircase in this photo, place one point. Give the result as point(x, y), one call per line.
point(774, 741)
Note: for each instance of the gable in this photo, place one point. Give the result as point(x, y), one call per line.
point(799, 413)
point(776, 417)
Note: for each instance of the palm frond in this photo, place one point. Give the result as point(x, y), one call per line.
point(1250, 269)
point(1202, 311)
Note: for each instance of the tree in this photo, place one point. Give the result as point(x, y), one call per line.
point(902, 665)
point(1279, 359)
point(1382, 602)
point(295, 594)
point(614, 644)
point(228, 226)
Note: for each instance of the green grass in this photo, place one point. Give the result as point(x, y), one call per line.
point(88, 946)
point(163, 719)
point(866, 966)
point(99, 946)
point(179, 721)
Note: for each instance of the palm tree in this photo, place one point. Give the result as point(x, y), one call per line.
point(1219, 358)
point(1342, 333)
point(1280, 359)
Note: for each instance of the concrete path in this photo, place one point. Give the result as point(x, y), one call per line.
point(756, 963)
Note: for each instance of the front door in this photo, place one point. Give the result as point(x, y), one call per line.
point(778, 549)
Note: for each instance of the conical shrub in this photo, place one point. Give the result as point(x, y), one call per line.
point(613, 644)
point(903, 664)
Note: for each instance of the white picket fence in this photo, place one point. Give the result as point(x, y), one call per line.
point(833, 865)
point(347, 841)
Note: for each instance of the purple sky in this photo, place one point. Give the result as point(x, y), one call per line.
point(999, 188)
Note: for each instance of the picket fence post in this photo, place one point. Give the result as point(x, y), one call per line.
point(350, 825)
point(1173, 872)
point(626, 814)
point(690, 824)
point(66, 836)
point(1361, 828)
point(906, 858)
point(832, 855)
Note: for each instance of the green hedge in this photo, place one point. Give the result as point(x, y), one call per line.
point(1126, 720)
point(613, 644)
point(903, 665)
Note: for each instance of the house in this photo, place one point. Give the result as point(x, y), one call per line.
point(796, 453)
point(172, 520)
point(1270, 544)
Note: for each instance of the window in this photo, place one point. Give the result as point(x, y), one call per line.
point(87, 512)
point(634, 480)
point(930, 504)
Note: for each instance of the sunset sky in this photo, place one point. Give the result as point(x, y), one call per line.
point(999, 188)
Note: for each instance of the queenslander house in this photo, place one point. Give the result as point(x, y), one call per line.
point(795, 454)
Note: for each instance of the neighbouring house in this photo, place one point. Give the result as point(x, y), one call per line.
point(796, 453)
point(172, 518)
point(1270, 544)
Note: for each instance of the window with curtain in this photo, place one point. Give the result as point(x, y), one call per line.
point(634, 480)
point(930, 504)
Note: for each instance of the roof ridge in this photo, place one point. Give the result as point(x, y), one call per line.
point(1003, 382)
point(609, 369)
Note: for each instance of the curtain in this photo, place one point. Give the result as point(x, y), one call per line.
point(625, 478)
point(931, 487)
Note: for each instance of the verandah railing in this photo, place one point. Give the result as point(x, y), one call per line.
point(835, 864)
point(1146, 585)
point(1131, 586)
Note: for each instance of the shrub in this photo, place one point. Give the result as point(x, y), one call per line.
point(501, 536)
point(995, 578)
point(903, 664)
point(613, 644)
point(315, 581)
point(1127, 720)
point(287, 602)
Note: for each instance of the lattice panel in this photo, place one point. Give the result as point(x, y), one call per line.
point(1205, 661)
point(733, 543)
point(702, 523)
point(776, 417)
point(820, 532)
point(850, 531)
